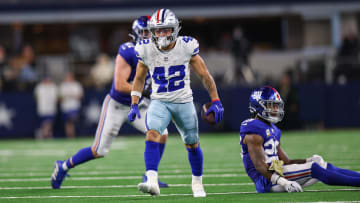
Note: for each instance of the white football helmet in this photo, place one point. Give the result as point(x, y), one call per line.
point(164, 18)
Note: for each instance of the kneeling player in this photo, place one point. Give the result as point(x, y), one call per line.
point(267, 164)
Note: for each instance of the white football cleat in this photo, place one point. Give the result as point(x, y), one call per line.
point(198, 189)
point(152, 189)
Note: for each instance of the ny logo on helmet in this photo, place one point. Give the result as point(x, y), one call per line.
point(256, 95)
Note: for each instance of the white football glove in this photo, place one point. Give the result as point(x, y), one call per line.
point(292, 186)
point(289, 186)
point(317, 159)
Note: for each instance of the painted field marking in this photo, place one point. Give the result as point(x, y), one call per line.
point(230, 175)
point(119, 186)
point(164, 195)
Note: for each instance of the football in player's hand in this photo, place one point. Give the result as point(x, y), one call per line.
point(210, 119)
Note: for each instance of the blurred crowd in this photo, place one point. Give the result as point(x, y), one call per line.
point(18, 72)
point(228, 60)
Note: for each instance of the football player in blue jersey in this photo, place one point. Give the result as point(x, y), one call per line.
point(267, 164)
point(115, 108)
point(167, 57)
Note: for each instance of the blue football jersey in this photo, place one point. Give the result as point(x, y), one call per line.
point(126, 50)
point(271, 136)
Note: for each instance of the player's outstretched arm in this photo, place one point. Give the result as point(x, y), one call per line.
point(284, 157)
point(257, 155)
point(139, 81)
point(202, 72)
point(138, 86)
point(122, 73)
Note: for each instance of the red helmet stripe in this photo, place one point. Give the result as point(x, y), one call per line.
point(157, 16)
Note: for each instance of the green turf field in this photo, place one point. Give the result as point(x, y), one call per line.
point(26, 166)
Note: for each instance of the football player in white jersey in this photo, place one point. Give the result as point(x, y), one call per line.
point(115, 108)
point(167, 57)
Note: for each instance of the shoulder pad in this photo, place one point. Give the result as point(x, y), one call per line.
point(127, 45)
point(191, 44)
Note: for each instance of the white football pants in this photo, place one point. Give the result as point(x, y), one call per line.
point(113, 116)
point(301, 173)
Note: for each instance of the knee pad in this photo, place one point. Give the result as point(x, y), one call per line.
point(191, 139)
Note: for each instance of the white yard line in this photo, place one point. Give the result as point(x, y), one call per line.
point(122, 177)
point(164, 195)
point(120, 167)
point(77, 172)
point(90, 169)
point(119, 186)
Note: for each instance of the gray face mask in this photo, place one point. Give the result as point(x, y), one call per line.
point(163, 42)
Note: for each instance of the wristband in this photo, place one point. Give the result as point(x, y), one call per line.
point(135, 93)
point(276, 179)
point(215, 100)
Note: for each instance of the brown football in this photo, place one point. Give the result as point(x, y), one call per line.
point(210, 119)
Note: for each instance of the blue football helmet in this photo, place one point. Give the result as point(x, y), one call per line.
point(266, 103)
point(140, 29)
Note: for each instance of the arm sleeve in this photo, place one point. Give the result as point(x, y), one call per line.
point(252, 128)
point(194, 47)
point(191, 44)
point(125, 51)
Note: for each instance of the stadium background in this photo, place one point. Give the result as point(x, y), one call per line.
point(299, 37)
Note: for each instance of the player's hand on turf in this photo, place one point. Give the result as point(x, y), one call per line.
point(292, 186)
point(218, 110)
point(134, 111)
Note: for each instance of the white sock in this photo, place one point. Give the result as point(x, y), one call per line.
point(152, 176)
point(197, 179)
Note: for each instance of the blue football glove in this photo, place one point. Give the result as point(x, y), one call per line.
point(134, 111)
point(218, 110)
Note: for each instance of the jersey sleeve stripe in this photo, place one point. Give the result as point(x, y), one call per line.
point(195, 52)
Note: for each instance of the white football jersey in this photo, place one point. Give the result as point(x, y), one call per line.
point(169, 70)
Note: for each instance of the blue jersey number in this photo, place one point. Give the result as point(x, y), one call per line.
point(169, 85)
point(187, 39)
point(144, 41)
